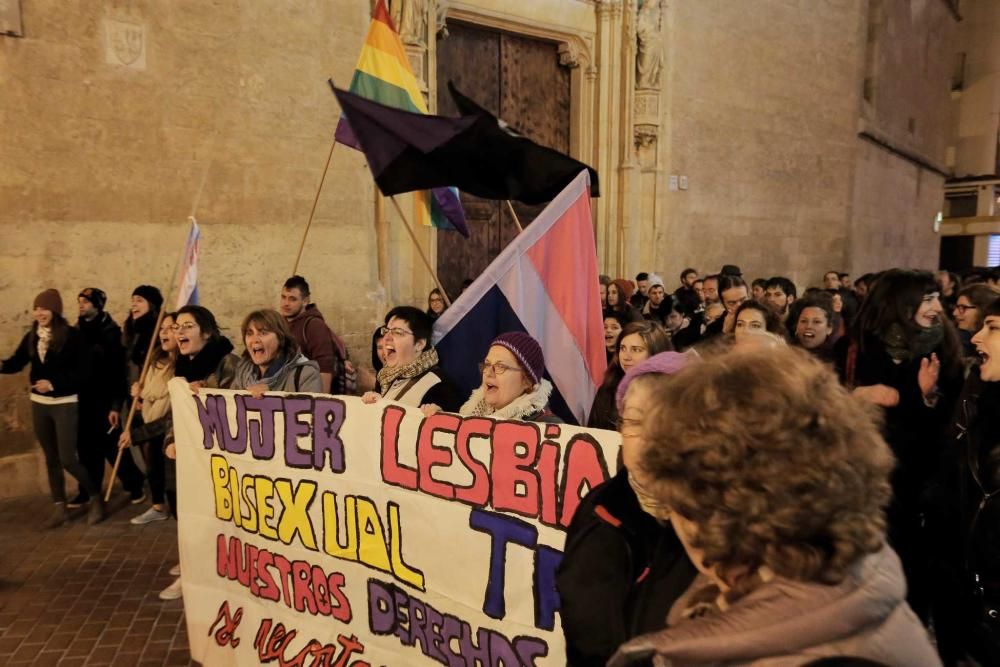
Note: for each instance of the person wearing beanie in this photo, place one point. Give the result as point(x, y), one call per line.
point(514, 386)
point(52, 349)
point(623, 566)
point(139, 329)
point(659, 304)
point(101, 373)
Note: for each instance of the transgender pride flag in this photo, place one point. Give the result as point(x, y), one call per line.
point(543, 283)
point(187, 287)
point(383, 74)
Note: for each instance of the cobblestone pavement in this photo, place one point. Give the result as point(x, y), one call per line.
point(87, 595)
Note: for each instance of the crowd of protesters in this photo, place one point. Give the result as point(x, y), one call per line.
point(804, 475)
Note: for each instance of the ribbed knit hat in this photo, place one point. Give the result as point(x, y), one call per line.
point(95, 296)
point(526, 350)
point(50, 299)
point(150, 294)
point(664, 363)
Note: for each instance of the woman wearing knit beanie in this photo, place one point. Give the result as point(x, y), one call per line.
point(623, 565)
point(52, 349)
point(138, 330)
point(513, 383)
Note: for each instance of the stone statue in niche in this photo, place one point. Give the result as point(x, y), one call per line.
point(410, 17)
point(649, 47)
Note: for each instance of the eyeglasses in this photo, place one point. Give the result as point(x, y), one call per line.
point(395, 332)
point(499, 368)
point(961, 308)
point(190, 326)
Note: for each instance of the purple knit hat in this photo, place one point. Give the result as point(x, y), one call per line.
point(526, 350)
point(664, 363)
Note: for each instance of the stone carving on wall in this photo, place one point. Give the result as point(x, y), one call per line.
point(410, 17)
point(10, 18)
point(649, 46)
point(125, 43)
point(441, 15)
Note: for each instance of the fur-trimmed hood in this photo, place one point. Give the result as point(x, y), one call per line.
point(526, 406)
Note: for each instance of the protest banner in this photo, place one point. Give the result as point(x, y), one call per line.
point(317, 530)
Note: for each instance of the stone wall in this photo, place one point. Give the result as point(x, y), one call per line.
point(762, 103)
point(112, 115)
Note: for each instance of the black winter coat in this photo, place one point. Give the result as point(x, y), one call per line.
point(915, 432)
point(62, 365)
point(103, 367)
point(620, 573)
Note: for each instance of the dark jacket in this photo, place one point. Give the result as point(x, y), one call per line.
point(914, 431)
point(62, 365)
point(604, 411)
point(976, 510)
point(620, 573)
point(103, 359)
point(313, 336)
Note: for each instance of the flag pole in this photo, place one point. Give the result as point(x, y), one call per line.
point(516, 220)
point(153, 341)
point(420, 250)
point(312, 211)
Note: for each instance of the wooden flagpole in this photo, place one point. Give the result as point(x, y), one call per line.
point(420, 250)
point(155, 338)
point(517, 221)
point(312, 211)
point(153, 342)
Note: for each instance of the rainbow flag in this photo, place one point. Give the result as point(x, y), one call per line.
point(383, 74)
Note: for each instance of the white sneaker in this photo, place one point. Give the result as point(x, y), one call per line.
point(175, 571)
point(173, 591)
point(149, 516)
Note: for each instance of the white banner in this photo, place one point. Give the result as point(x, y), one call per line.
point(316, 530)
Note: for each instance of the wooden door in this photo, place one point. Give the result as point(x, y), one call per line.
point(520, 80)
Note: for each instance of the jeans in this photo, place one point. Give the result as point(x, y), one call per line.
point(56, 430)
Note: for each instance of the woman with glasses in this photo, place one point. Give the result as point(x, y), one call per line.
point(513, 384)
point(435, 304)
point(969, 311)
point(623, 567)
point(152, 419)
point(410, 374)
point(904, 356)
point(205, 359)
point(272, 360)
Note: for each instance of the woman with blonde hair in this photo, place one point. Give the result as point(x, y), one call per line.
point(782, 512)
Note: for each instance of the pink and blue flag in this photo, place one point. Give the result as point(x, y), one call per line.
point(544, 283)
point(187, 287)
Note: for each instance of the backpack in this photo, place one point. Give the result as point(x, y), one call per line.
point(345, 377)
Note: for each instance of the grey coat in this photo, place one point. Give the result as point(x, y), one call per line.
point(787, 623)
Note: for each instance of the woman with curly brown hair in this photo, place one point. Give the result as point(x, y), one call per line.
point(781, 510)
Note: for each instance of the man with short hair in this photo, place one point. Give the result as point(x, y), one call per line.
point(309, 328)
point(831, 280)
point(688, 278)
point(658, 305)
point(641, 295)
point(710, 287)
point(699, 291)
point(780, 294)
point(758, 289)
point(102, 380)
